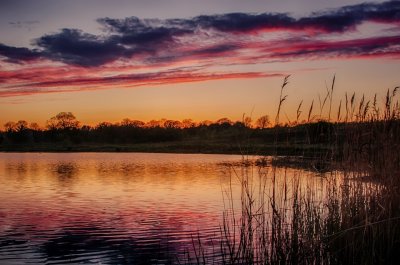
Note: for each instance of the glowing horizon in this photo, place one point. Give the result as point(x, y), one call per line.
point(203, 66)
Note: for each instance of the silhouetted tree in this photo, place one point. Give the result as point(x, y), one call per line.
point(104, 124)
point(21, 125)
point(63, 121)
point(34, 126)
point(188, 123)
point(224, 121)
point(153, 124)
point(263, 122)
point(9, 126)
point(247, 122)
point(171, 124)
point(137, 124)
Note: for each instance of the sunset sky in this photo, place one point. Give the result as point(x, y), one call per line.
point(148, 59)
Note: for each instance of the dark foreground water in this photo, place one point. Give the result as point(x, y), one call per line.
point(110, 208)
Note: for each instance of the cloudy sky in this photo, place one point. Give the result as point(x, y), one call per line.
point(148, 59)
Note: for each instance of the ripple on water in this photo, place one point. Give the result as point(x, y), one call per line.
point(107, 208)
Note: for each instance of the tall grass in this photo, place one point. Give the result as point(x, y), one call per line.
point(350, 216)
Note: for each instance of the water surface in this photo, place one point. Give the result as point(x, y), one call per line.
point(106, 207)
point(110, 208)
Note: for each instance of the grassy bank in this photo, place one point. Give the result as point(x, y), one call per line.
point(351, 217)
point(192, 147)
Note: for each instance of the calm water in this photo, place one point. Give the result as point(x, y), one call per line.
point(109, 208)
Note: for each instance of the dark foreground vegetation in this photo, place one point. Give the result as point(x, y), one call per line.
point(354, 218)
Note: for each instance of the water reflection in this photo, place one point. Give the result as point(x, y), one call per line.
point(113, 208)
point(64, 172)
point(99, 248)
point(107, 208)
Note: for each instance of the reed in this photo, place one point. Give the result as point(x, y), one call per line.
point(346, 216)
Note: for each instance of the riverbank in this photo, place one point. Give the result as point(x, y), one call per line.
point(186, 147)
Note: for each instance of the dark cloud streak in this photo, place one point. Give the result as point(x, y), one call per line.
point(74, 47)
point(152, 40)
point(376, 46)
point(134, 80)
point(348, 17)
point(18, 54)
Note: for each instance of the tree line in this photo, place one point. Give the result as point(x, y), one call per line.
point(65, 127)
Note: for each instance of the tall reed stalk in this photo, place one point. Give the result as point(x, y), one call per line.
point(350, 216)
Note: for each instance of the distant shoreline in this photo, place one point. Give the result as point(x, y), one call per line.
point(169, 147)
